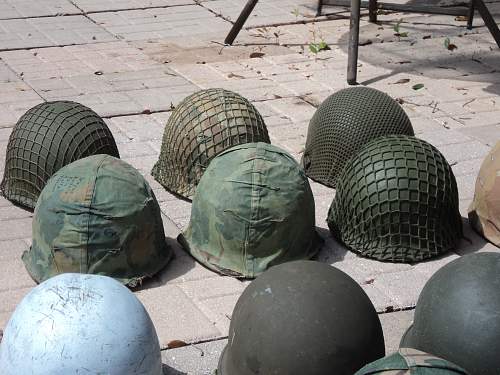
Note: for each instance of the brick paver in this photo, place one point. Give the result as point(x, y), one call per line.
point(135, 60)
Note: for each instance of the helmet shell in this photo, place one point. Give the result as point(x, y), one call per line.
point(397, 200)
point(80, 324)
point(97, 215)
point(202, 126)
point(302, 317)
point(252, 209)
point(343, 123)
point(408, 361)
point(484, 211)
point(457, 315)
point(46, 138)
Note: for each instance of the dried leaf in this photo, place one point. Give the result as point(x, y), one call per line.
point(176, 344)
point(232, 75)
point(400, 81)
point(254, 55)
point(418, 86)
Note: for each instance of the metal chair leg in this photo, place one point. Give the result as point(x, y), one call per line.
point(488, 20)
point(372, 10)
point(238, 25)
point(470, 15)
point(320, 8)
point(352, 60)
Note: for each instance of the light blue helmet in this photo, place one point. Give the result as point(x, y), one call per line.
point(80, 324)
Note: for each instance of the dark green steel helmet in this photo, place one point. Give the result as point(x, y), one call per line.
point(458, 314)
point(397, 200)
point(202, 126)
point(252, 209)
point(300, 318)
point(97, 215)
point(407, 361)
point(343, 123)
point(46, 138)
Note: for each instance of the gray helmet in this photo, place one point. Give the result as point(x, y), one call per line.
point(46, 138)
point(397, 200)
point(458, 314)
point(80, 324)
point(407, 361)
point(343, 123)
point(252, 209)
point(202, 126)
point(302, 317)
point(97, 215)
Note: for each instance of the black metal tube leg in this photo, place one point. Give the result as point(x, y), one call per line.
point(320, 8)
point(372, 10)
point(488, 20)
point(470, 15)
point(242, 18)
point(352, 60)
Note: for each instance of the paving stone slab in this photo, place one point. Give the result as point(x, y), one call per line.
point(50, 31)
point(40, 8)
point(90, 6)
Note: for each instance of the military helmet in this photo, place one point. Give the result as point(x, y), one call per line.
point(252, 209)
point(302, 317)
point(343, 123)
point(80, 324)
point(408, 361)
point(457, 315)
point(484, 211)
point(202, 126)
point(97, 215)
point(397, 200)
point(46, 138)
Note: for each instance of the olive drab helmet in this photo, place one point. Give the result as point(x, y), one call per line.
point(80, 324)
point(46, 138)
point(302, 317)
point(484, 211)
point(457, 315)
point(397, 200)
point(97, 215)
point(252, 209)
point(408, 361)
point(202, 126)
point(343, 123)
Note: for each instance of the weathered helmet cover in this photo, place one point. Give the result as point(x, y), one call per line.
point(407, 361)
point(46, 138)
point(97, 215)
point(80, 324)
point(484, 211)
point(397, 200)
point(299, 318)
point(457, 315)
point(252, 209)
point(202, 126)
point(343, 123)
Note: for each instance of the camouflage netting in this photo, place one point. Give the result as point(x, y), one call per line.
point(343, 123)
point(46, 138)
point(397, 200)
point(202, 126)
point(484, 211)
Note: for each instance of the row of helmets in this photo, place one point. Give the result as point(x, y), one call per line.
point(300, 317)
point(396, 195)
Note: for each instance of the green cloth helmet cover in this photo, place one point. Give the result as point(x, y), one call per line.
point(202, 126)
point(408, 361)
point(97, 215)
point(458, 314)
point(300, 318)
point(252, 209)
point(484, 210)
point(46, 138)
point(397, 200)
point(343, 123)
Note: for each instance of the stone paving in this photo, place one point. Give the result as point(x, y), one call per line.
point(132, 61)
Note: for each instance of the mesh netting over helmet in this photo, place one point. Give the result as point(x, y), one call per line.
point(343, 123)
point(46, 138)
point(202, 126)
point(397, 200)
